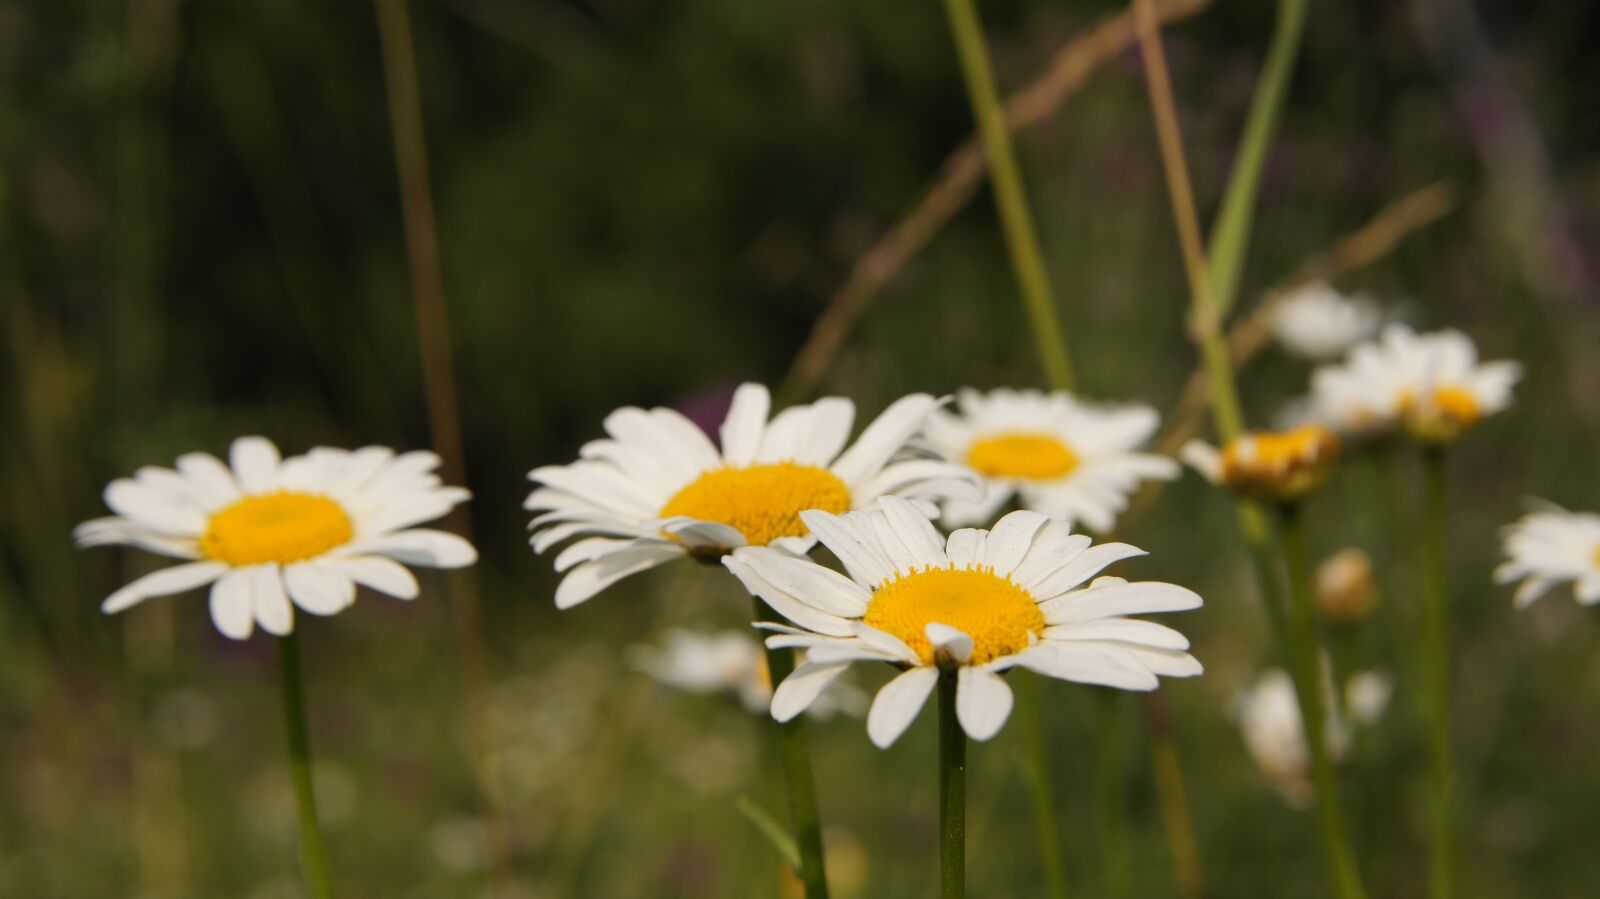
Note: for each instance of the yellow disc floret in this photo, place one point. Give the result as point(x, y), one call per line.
point(1022, 454)
point(762, 502)
point(1281, 466)
point(276, 527)
point(999, 616)
point(1442, 416)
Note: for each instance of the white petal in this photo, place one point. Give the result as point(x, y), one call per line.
point(1082, 567)
point(381, 574)
point(830, 427)
point(883, 438)
point(230, 604)
point(1126, 630)
point(255, 464)
point(802, 687)
point(210, 478)
point(165, 582)
point(747, 419)
point(158, 510)
point(317, 589)
point(965, 547)
point(983, 702)
point(897, 704)
point(794, 608)
point(808, 582)
point(948, 641)
point(1137, 598)
point(915, 530)
point(590, 578)
point(419, 546)
point(1087, 663)
point(270, 601)
point(864, 561)
point(1010, 539)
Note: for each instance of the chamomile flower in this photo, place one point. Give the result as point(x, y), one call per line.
point(1268, 712)
point(1275, 466)
point(1320, 323)
point(974, 604)
point(728, 662)
point(269, 533)
point(657, 489)
point(1552, 547)
point(1431, 385)
point(1063, 457)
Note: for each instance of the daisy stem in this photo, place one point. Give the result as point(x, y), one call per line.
point(1016, 220)
point(1303, 658)
point(1046, 823)
point(1436, 658)
point(312, 855)
point(797, 778)
point(952, 793)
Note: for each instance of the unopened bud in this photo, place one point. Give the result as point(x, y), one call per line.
point(1346, 592)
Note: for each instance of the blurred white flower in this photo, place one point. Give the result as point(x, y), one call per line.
point(1320, 323)
point(1432, 385)
point(269, 530)
point(1552, 547)
point(1269, 718)
point(977, 603)
point(1277, 466)
point(1066, 458)
point(657, 489)
point(732, 663)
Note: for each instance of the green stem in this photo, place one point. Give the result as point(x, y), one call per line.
point(1045, 820)
point(1307, 675)
point(1016, 221)
point(1436, 658)
point(797, 778)
point(312, 855)
point(1113, 821)
point(1230, 235)
point(952, 793)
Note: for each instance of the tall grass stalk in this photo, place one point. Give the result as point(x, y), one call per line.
point(313, 857)
point(1436, 662)
point(1305, 667)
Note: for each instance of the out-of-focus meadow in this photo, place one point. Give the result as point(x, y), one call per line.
point(643, 202)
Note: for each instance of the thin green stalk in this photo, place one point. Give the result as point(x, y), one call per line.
point(1307, 675)
point(797, 778)
point(1047, 824)
point(312, 856)
point(1022, 241)
point(952, 793)
point(1110, 791)
point(1174, 799)
point(1230, 234)
point(1436, 659)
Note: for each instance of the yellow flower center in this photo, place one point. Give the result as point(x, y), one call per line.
point(1447, 412)
point(1280, 465)
point(276, 527)
point(1022, 454)
point(999, 616)
point(762, 502)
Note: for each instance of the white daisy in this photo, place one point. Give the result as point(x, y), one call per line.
point(1431, 384)
point(1269, 719)
point(264, 530)
point(1064, 457)
point(1275, 466)
point(1552, 547)
point(1318, 322)
point(727, 662)
point(657, 489)
point(976, 604)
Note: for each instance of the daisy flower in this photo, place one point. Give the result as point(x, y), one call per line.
point(657, 489)
point(975, 605)
point(1063, 457)
point(269, 533)
point(727, 662)
point(1269, 720)
point(1432, 385)
point(1319, 323)
point(1275, 466)
point(1552, 547)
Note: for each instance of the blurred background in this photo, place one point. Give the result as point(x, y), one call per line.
point(645, 202)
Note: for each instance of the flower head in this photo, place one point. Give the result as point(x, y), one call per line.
point(1275, 466)
point(1318, 322)
point(1269, 719)
point(1063, 457)
point(1552, 547)
point(264, 531)
point(1345, 590)
point(974, 604)
point(657, 489)
point(1431, 385)
point(730, 662)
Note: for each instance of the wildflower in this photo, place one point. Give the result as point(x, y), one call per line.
point(728, 662)
point(1431, 385)
point(1552, 547)
point(658, 490)
point(1276, 466)
point(1319, 323)
point(1269, 719)
point(265, 530)
point(973, 605)
point(1063, 457)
